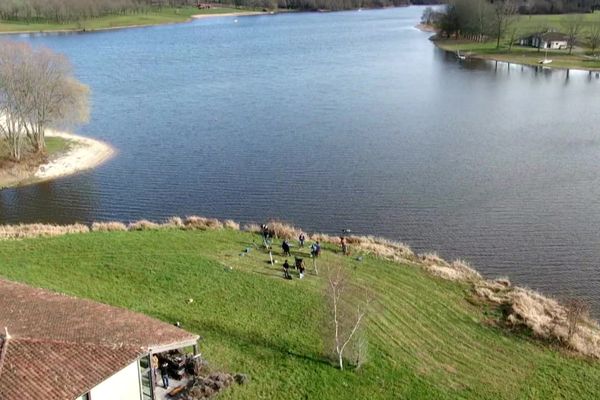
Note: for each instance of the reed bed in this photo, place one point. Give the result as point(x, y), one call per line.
point(24, 231)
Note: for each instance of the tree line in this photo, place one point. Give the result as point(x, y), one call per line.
point(482, 20)
point(37, 91)
point(65, 11)
point(477, 20)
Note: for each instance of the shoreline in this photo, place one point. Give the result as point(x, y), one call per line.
point(84, 154)
point(114, 28)
point(510, 59)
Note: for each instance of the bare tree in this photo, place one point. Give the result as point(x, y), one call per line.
point(348, 310)
point(572, 25)
point(513, 33)
point(577, 310)
point(505, 13)
point(594, 38)
point(56, 96)
point(37, 90)
point(14, 62)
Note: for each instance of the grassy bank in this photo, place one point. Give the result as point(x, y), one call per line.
point(519, 55)
point(428, 339)
point(579, 59)
point(163, 16)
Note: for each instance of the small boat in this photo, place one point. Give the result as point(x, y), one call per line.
point(545, 60)
point(460, 56)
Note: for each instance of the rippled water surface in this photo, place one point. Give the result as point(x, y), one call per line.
point(341, 120)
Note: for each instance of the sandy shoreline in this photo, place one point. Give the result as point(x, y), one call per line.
point(240, 14)
point(85, 153)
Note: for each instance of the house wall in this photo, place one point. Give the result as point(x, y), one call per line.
point(124, 385)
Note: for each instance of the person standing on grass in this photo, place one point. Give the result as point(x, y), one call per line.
point(315, 251)
point(285, 246)
point(301, 239)
point(164, 372)
point(286, 270)
point(301, 270)
point(344, 244)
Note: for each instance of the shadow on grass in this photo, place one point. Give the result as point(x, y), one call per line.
point(242, 338)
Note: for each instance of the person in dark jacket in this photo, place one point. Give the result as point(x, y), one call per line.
point(164, 372)
point(286, 270)
point(285, 246)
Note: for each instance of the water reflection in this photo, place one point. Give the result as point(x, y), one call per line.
point(62, 201)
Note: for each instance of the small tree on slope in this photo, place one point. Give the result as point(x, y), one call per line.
point(348, 309)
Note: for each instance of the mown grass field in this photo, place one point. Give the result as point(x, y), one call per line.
point(426, 339)
point(526, 55)
point(162, 16)
point(535, 23)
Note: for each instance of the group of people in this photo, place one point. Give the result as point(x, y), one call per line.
point(315, 250)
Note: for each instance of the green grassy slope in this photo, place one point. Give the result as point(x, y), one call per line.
point(162, 16)
point(426, 340)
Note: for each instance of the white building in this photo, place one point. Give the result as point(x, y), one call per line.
point(59, 347)
point(546, 40)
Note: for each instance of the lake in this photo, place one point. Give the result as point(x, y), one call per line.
point(349, 120)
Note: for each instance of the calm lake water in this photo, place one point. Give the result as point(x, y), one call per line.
point(342, 120)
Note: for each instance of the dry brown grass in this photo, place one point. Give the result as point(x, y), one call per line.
point(380, 247)
point(253, 228)
point(231, 224)
point(23, 231)
point(545, 317)
point(113, 226)
point(202, 223)
point(143, 225)
point(282, 230)
point(174, 222)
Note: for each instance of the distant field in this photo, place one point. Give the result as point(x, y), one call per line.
point(426, 339)
point(536, 23)
point(164, 16)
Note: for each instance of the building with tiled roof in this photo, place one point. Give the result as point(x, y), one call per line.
point(59, 347)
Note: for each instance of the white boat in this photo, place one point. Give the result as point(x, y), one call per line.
point(460, 56)
point(545, 60)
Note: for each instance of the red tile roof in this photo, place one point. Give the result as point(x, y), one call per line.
point(61, 346)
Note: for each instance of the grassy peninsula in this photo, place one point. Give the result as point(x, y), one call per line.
point(165, 15)
point(429, 338)
point(524, 25)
